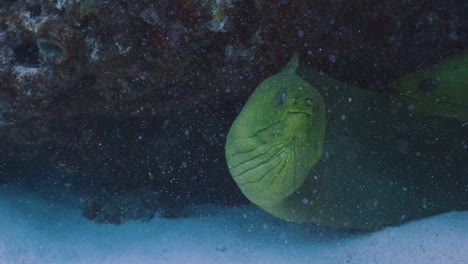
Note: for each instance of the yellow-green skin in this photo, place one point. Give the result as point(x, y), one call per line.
point(343, 157)
point(441, 89)
point(277, 138)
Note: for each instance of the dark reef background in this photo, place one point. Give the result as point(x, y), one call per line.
point(126, 104)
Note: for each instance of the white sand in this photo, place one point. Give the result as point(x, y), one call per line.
point(36, 230)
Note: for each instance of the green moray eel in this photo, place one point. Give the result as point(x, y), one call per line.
point(271, 150)
point(308, 148)
point(441, 89)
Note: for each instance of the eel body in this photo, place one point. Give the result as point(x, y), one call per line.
point(346, 157)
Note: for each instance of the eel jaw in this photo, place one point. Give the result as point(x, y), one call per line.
point(304, 112)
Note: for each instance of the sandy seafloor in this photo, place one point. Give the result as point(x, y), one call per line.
point(38, 230)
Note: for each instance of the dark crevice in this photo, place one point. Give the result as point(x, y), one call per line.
point(27, 53)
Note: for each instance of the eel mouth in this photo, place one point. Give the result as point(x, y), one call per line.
point(304, 112)
point(434, 100)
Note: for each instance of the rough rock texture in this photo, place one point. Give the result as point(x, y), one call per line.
point(129, 97)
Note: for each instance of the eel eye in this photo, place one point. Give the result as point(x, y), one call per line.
point(281, 98)
point(308, 102)
point(426, 85)
point(294, 100)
